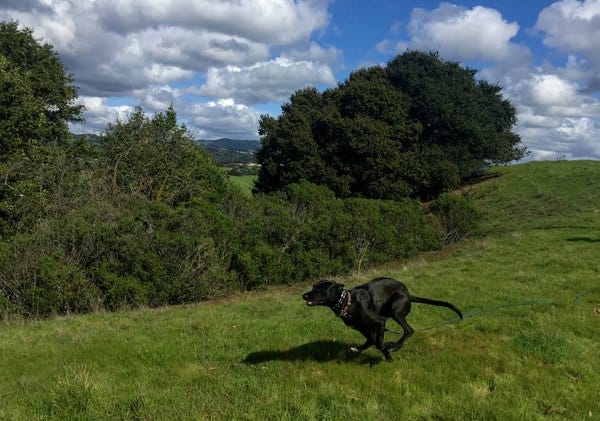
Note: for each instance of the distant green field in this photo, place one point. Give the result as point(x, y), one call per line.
point(527, 350)
point(244, 182)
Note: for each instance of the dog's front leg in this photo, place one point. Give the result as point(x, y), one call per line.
point(378, 342)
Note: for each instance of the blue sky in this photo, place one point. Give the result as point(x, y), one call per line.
point(223, 63)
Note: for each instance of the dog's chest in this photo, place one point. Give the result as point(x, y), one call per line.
point(349, 319)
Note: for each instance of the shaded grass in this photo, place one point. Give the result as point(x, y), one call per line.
point(265, 355)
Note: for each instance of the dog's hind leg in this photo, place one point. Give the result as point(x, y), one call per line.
point(384, 350)
point(400, 309)
point(408, 331)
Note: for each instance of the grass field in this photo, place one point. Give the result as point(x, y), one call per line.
point(244, 182)
point(528, 350)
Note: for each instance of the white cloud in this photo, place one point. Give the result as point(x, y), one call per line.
point(555, 117)
point(551, 90)
point(479, 33)
point(139, 49)
point(223, 118)
point(115, 46)
point(572, 138)
point(572, 26)
point(278, 22)
point(274, 80)
point(331, 56)
point(552, 95)
point(98, 114)
point(391, 47)
point(157, 73)
point(456, 32)
point(158, 98)
point(208, 120)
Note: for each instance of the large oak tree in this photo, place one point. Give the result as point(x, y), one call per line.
point(417, 127)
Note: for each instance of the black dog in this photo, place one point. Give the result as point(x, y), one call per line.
point(367, 307)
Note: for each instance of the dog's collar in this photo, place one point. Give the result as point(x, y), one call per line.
point(342, 307)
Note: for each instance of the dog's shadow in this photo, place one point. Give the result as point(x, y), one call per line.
point(318, 351)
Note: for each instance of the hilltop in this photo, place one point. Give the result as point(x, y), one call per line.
point(232, 144)
point(226, 151)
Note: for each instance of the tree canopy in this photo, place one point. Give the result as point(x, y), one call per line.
point(36, 105)
point(158, 159)
point(36, 93)
point(414, 128)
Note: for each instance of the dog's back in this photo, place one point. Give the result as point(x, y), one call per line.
point(383, 292)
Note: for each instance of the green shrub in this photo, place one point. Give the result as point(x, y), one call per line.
point(306, 232)
point(454, 216)
point(112, 255)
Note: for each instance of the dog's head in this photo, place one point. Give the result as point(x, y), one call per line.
point(323, 293)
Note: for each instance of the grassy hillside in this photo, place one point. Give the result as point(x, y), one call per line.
point(529, 348)
point(541, 195)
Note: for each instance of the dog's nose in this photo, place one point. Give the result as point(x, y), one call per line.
point(305, 296)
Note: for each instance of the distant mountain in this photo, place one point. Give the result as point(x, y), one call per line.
point(93, 138)
point(232, 144)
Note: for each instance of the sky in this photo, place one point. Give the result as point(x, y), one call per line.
point(223, 63)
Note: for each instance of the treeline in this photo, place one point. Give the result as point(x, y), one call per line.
point(142, 215)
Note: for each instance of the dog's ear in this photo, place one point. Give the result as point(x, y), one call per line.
point(327, 281)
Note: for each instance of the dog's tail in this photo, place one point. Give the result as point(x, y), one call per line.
point(436, 303)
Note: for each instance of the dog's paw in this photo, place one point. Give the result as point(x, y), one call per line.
point(391, 346)
point(354, 350)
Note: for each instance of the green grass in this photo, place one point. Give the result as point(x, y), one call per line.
point(542, 195)
point(244, 182)
point(265, 355)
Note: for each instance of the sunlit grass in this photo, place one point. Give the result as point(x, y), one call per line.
point(244, 182)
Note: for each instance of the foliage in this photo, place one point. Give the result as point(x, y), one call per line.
point(415, 128)
point(239, 169)
point(159, 160)
point(227, 157)
point(36, 94)
point(143, 217)
point(126, 251)
point(306, 232)
point(45, 180)
point(36, 103)
point(456, 217)
point(467, 119)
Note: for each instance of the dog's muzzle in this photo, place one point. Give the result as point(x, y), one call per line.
point(309, 302)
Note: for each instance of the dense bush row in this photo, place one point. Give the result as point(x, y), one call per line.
point(127, 251)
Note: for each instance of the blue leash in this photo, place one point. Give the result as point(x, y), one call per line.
point(491, 310)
